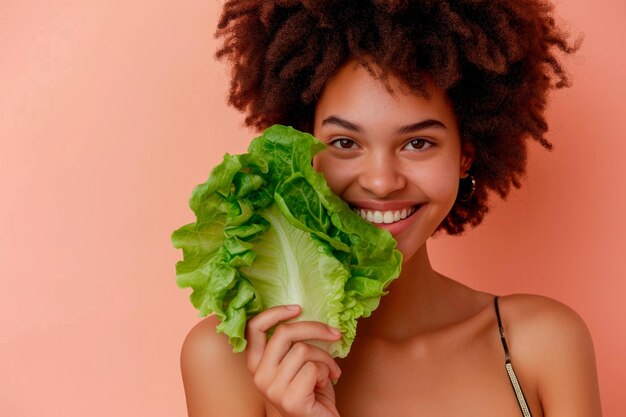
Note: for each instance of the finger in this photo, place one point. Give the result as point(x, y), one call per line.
point(303, 386)
point(256, 331)
point(289, 333)
point(297, 357)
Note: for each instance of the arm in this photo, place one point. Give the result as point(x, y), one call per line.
point(216, 380)
point(569, 381)
point(555, 343)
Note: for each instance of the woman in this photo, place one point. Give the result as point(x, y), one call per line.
point(424, 106)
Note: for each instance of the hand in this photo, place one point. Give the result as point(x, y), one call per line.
point(291, 374)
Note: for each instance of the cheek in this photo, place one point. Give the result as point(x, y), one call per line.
point(336, 174)
point(440, 184)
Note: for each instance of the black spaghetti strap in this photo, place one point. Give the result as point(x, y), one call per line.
point(501, 329)
point(521, 400)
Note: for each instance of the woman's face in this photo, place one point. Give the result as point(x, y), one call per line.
point(394, 157)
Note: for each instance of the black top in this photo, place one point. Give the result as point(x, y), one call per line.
point(517, 388)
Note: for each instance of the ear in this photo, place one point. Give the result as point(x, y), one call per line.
point(467, 157)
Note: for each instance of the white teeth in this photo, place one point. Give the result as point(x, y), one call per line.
point(387, 217)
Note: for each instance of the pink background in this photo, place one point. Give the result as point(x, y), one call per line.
point(111, 112)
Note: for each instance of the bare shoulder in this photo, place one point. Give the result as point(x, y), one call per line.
point(540, 313)
point(552, 346)
point(216, 380)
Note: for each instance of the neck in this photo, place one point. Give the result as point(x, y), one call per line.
point(413, 304)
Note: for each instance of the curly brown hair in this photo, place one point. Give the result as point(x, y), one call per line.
point(494, 58)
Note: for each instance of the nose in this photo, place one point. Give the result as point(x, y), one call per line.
point(382, 175)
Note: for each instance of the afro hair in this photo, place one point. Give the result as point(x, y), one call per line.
point(494, 58)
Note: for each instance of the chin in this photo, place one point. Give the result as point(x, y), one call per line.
point(410, 249)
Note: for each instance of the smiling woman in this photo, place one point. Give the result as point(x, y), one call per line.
point(426, 108)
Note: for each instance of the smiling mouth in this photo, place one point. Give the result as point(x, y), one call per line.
point(386, 216)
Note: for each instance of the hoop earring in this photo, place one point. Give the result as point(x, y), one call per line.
point(467, 197)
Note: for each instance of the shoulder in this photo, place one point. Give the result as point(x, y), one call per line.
point(202, 344)
point(535, 325)
point(552, 345)
point(216, 380)
point(540, 313)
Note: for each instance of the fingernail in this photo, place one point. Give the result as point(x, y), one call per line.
point(334, 381)
point(334, 331)
point(293, 307)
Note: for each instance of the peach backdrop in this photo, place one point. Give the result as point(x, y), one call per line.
point(111, 112)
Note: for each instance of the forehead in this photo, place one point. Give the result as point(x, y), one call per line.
point(356, 94)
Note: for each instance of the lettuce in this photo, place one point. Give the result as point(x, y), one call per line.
point(269, 232)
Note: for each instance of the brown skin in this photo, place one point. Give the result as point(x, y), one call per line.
point(432, 347)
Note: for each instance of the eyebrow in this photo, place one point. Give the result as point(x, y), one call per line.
point(424, 124)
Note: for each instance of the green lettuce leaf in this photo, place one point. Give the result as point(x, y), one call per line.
point(269, 232)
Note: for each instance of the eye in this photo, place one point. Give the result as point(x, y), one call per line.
point(418, 144)
point(344, 144)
